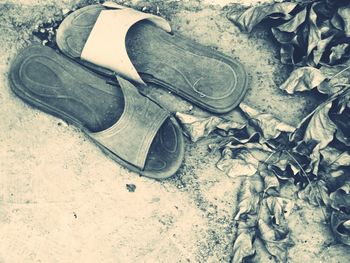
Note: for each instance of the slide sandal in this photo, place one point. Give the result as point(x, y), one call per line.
point(130, 128)
point(140, 47)
point(340, 230)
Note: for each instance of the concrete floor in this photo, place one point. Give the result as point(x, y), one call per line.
point(63, 200)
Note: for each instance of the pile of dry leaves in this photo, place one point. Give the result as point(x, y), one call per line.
point(315, 37)
point(266, 153)
point(310, 32)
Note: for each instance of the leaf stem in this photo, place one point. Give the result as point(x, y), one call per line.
point(342, 84)
point(340, 72)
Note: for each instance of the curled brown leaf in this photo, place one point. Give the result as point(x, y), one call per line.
point(242, 163)
point(344, 13)
point(303, 79)
point(314, 33)
point(249, 197)
point(254, 15)
point(197, 127)
point(277, 245)
point(270, 126)
point(243, 246)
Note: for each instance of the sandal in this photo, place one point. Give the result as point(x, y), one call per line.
point(340, 224)
point(138, 46)
point(130, 128)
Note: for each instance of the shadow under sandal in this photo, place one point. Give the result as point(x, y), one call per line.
point(129, 127)
point(138, 46)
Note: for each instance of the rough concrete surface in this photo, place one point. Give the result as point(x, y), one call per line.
point(63, 200)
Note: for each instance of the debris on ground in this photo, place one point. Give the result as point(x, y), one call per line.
point(131, 187)
point(309, 32)
point(266, 153)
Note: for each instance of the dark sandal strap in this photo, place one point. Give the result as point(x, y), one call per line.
point(131, 136)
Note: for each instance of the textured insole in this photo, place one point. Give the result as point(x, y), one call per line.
point(207, 77)
point(63, 88)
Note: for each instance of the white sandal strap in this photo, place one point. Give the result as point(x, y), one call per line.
point(105, 45)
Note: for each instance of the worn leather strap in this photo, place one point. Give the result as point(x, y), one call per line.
point(105, 45)
point(131, 136)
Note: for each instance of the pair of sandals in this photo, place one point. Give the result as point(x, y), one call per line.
point(119, 47)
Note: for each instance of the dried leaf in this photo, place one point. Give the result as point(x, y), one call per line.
point(286, 53)
point(326, 29)
point(340, 115)
point(238, 138)
point(248, 197)
point(314, 34)
point(320, 128)
point(243, 160)
point(271, 183)
point(243, 246)
point(259, 151)
point(254, 15)
point(344, 13)
point(242, 163)
point(303, 79)
point(343, 125)
point(228, 125)
point(270, 126)
point(316, 129)
point(284, 175)
point(280, 208)
point(274, 244)
point(293, 24)
point(339, 71)
point(247, 221)
point(197, 127)
point(334, 166)
point(336, 22)
point(335, 77)
point(340, 199)
point(283, 160)
point(329, 87)
point(320, 48)
point(333, 159)
point(315, 193)
point(337, 52)
point(283, 37)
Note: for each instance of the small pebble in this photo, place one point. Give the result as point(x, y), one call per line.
point(65, 11)
point(131, 187)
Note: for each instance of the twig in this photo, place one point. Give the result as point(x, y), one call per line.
point(340, 72)
point(276, 151)
point(342, 85)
